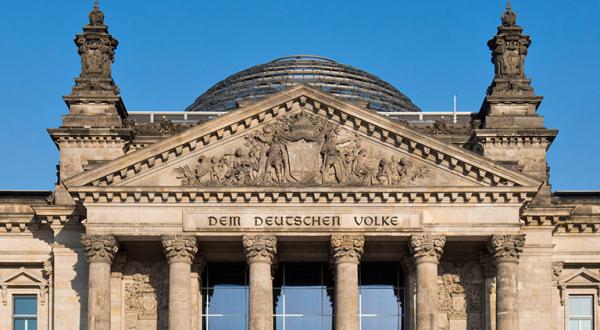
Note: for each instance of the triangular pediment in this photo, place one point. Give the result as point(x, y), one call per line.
point(580, 277)
point(22, 277)
point(303, 138)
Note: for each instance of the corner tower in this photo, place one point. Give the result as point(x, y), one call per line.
point(92, 131)
point(513, 133)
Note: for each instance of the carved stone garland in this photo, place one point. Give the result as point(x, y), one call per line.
point(260, 248)
point(301, 149)
point(99, 248)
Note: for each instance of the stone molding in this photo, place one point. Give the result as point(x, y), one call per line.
point(260, 248)
point(180, 248)
point(99, 248)
point(467, 195)
point(394, 135)
point(347, 248)
point(506, 248)
point(427, 247)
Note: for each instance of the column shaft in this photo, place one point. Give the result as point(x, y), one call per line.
point(426, 295)
point(260, 254)
point(506, 250)
point(507, 313)
point(346, 296)
point(180, 251)
point(196, 298)
point(180, 297)
point(346, 252)
point(261, 296)
point(100, 251)
point(99, 296)
point(427, 251)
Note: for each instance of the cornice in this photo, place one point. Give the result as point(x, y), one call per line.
point(413, 195)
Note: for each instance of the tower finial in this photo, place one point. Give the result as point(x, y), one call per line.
point(509, 49)
point(96, 47)
point(509, 18)
point(96, 16)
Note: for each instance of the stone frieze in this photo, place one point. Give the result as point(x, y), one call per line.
point(302, 149)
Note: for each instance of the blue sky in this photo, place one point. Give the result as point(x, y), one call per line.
point(170, 52)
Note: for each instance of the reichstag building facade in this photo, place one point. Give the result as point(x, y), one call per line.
point(301, 194)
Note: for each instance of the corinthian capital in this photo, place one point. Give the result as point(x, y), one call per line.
point(427, 248)
point(347, 248)
point(260, 248)
point(180, 248)
point(99, 248)
point(506, 248)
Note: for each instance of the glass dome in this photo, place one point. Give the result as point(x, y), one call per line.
point(341, 80)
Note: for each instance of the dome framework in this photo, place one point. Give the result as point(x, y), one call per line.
point(341, 80)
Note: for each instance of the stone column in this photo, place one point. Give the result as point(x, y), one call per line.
point(180, 251)
point(100, 251)
point(197, 268)
point(260, 253)
point(506, 250)
point(427, 251)
point(346, 251)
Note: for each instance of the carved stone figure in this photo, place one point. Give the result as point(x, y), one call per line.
point(301, 149)
point(99, 248)
point(557, 268)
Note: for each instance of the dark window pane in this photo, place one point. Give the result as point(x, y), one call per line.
point(32, 324)
point(25, 305)
point(226, 274)
point(379, 273)
point(306, 274)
